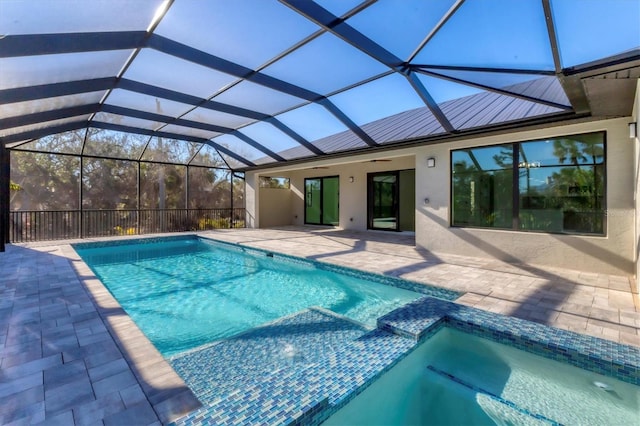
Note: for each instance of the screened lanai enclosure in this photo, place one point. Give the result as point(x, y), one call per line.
point(122, 117)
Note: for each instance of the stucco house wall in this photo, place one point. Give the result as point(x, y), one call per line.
point(613, 253)
point(609, 254)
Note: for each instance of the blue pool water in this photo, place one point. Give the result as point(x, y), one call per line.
point(457, 379)
point(186, 292)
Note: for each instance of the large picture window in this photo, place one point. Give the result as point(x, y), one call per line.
point(552, 185)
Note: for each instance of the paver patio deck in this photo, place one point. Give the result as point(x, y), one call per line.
point(69, 353)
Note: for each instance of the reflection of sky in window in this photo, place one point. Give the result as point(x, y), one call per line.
point(247, 32)
point(312, 122)
point(536, 178)
point(382, 20)
point(378, 99)
point(607, 28)
point(497, 33)
point(485, 157)
point(546, 153)
point(324, 65)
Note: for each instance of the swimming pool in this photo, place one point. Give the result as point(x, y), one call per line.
point(455, 378)
point(187, 291)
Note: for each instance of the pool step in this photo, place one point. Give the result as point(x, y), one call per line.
point(536, 418)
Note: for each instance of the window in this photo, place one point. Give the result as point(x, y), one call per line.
point(552, 185)
point(274, 182)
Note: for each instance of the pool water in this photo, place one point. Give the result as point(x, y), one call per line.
point(458, 379)
point(184, 293)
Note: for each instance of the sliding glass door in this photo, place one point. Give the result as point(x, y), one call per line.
point(383, 201)
point(321, 201)
point(391, 200)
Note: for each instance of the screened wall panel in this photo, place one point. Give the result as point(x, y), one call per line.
point(238, 190)
point(63, 143)
point(209, 188)
point(162, 186)
point(46, 181)
point(208, 156)
point(109, 184)
point(165, 150)
point(109, 143)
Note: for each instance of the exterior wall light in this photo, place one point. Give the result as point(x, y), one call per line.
point(351, 179)
point(633, 130)
point(431, 162)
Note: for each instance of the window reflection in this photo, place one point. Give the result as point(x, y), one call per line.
point(482, 187)
point(559, 183)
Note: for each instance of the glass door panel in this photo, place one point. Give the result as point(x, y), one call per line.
point(312, 212)
point(383, 201)
point(330, 201)
point(322, 201)
point(407, 200)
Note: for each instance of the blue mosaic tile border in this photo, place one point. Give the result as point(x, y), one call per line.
point(128, 241)
point(426, 289)
point(590, 353)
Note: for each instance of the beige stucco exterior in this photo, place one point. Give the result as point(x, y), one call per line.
point(614, 253)
point(636, 194)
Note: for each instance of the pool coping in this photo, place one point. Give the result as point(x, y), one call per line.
point(165, 390)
